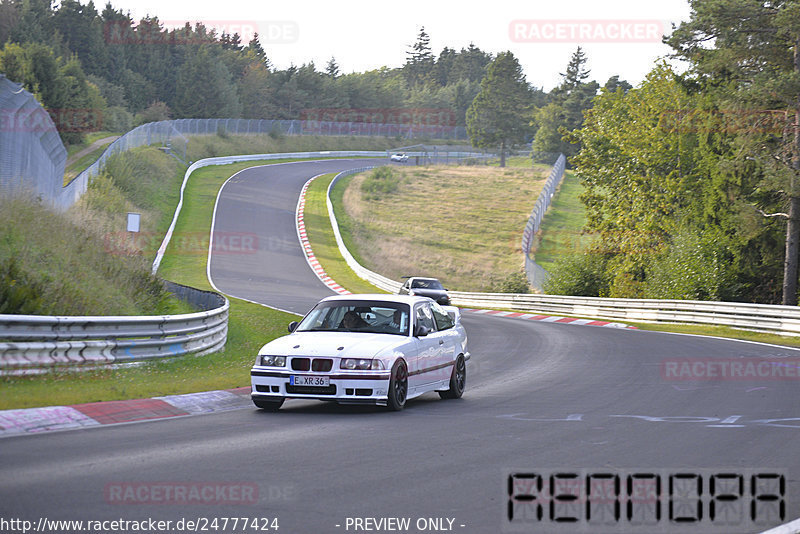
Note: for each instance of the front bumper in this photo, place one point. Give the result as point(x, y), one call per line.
point(352, 387)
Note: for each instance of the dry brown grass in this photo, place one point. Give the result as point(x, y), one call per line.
point(462, 225)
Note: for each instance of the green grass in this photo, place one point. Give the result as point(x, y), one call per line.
point(320, 235)
point(460, 224)
point(147, 180)
point(518, 162)
point(90, 138)
point(720, 331)
point(249, 327)
point(560, 230)
point(347, 226)
point(206, 146)
point(52, 265)
point(72, 172)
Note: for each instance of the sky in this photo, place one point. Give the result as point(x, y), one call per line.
point(620, 37)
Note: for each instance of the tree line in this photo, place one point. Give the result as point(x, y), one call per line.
point(691, 179)
point(75, 59)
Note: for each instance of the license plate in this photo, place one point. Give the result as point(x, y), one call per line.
point(306, 380)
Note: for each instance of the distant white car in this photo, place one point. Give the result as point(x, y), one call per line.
point(402, 158)
point(365, 349)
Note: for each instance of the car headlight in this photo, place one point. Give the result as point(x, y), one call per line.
point(361, 364)
point(272, 361)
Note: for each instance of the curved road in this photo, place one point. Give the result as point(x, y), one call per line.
point(540, 396)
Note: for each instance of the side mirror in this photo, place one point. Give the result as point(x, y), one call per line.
point(421, 331)
point(293, 326)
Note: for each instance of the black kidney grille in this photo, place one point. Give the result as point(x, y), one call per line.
point(321, 364)
point(301, 364)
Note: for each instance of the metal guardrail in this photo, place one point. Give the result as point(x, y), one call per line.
point(761, 317)
point(35, 343)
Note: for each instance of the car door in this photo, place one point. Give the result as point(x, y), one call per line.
point(431, 349)
point(449, 336)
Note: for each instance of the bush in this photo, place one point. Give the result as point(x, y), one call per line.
point(693, 267)
point(117, 119)
point(581, 275)
point(516, 282)
point(379, 183)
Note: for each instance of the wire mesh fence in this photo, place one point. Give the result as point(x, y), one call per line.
point(536, 274)
point(32, 155)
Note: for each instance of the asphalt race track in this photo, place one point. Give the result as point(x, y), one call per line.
point(541, 398)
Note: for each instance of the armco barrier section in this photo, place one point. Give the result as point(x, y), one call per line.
point(762, 317)
point(35, 343)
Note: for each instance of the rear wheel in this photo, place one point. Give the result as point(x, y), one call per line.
point(269, 405)
point(458, 380)
point(398, 386)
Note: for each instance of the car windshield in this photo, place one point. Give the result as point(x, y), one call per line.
point(426, 283)
point(357, 316)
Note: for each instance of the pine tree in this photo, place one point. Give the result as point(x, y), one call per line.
point(750, 51)
point(420, 61)
point(499, 115)
point(332, 68)
point(254, 47)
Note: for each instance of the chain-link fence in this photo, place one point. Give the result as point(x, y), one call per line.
point(173, 134)
point(536, 274)
point(32, 155)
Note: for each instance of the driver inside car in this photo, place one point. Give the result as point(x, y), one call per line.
point(352, 320)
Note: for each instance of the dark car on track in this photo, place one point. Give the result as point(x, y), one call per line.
point(426, 287)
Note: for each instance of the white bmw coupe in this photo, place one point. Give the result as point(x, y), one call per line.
point(365, 349)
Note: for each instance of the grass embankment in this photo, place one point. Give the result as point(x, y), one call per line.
point(148, 181)
point(560, 229)
point(320, 234)
point(50, 264)
point(249, 326)
point(75, 167)
point(462, 225)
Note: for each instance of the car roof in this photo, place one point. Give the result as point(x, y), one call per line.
point(383, 297)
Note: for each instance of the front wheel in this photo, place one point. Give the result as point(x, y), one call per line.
point(458, 380)
point(269, 405)
point(398, 386)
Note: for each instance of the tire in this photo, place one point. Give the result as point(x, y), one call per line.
point(398, 386)
point(269, 405)
point(458, 380)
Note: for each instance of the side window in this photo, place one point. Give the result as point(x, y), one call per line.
point(443, 320)
point(424, 317)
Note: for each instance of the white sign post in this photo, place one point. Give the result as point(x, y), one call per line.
point(134, 220)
